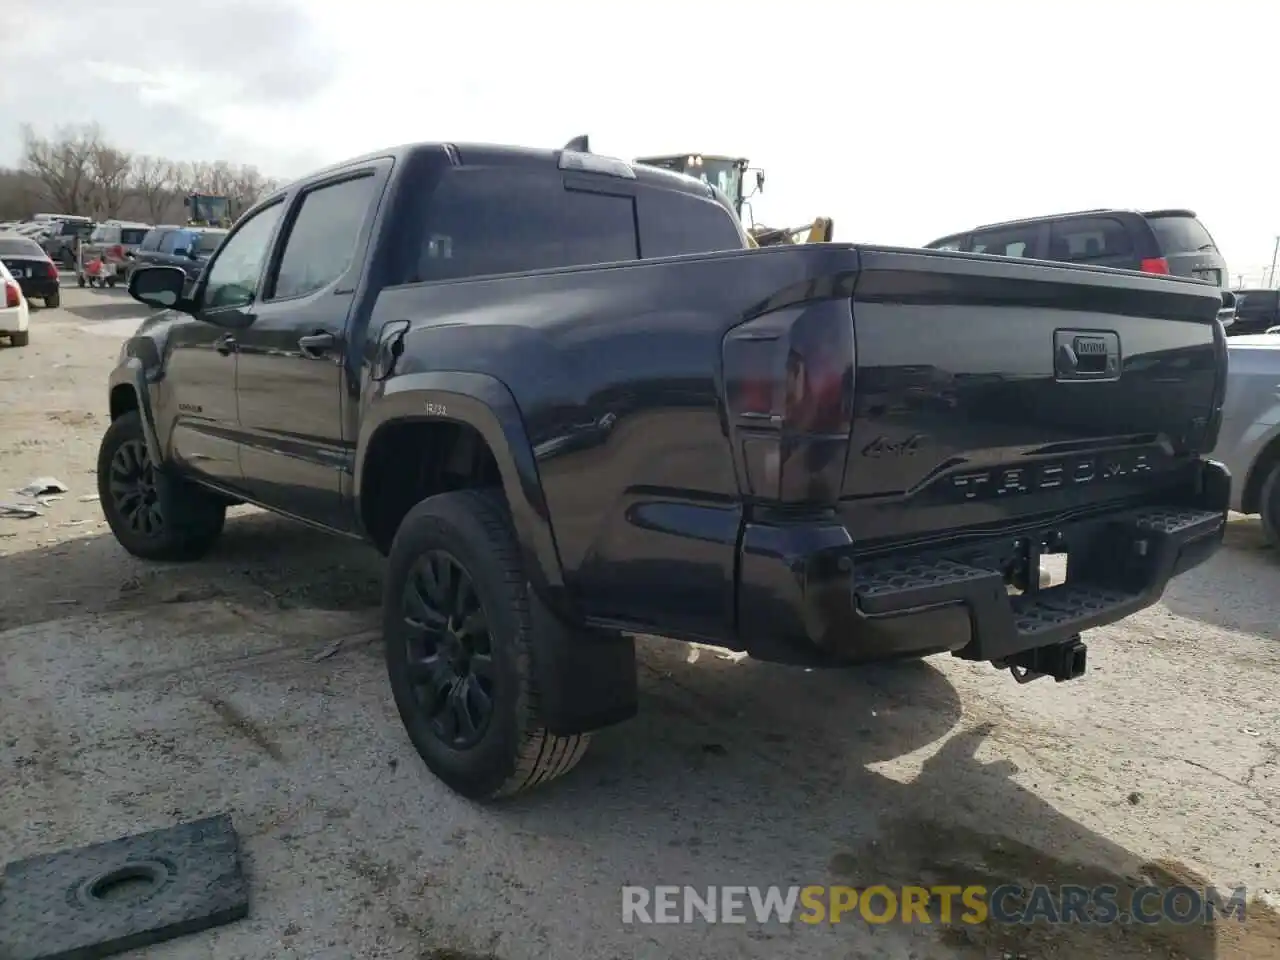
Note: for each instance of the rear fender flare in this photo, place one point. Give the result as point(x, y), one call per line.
point(484, 403)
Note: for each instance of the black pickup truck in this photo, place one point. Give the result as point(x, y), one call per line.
point(569, 404)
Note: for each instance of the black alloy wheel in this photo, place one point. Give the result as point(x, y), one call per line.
point(449, 650)
point(134, 493)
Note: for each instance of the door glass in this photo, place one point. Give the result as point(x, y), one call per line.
point(323, 237)
point(233, 277)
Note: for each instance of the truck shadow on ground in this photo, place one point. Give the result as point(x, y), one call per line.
point(1225, 590)
point(113, 306)
point(733, 772)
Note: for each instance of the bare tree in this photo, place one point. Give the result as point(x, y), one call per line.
point(150, 182)
point(63, 165)
point(248, 186)
point(78, 171)
point(111, 170)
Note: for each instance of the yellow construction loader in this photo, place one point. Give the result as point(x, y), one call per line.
point(729, 176)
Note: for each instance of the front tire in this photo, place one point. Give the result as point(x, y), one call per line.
point(458, 643)
point(153, 515)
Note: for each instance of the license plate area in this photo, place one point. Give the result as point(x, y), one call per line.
point(1210, 276)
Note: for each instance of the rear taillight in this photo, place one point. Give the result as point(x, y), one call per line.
point(1155, 265)
point(12, 295)
point(788, 379)
point(117, 252)
point(52, 269)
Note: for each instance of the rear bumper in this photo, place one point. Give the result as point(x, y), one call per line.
point(803, 597)
point(38, 287)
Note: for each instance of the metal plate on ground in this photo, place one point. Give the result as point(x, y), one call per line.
point(103, 899)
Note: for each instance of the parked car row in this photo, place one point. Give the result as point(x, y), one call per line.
point(57, 234)
point(115, 248)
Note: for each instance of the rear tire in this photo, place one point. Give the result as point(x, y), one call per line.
point(153, 515)
point(20, 339)
point(1269, 507)
point(458, 631)
point(54, 301)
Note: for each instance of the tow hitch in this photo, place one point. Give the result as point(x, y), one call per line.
point(1062, 661)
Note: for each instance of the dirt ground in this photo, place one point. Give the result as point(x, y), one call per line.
point(133, 696)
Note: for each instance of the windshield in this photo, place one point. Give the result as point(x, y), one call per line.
point(723, 174)
point(209, 241)
point(20, 247)
point(1179, 234)
point(208, 208)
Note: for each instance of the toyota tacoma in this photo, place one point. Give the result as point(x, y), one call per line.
point(570, 405)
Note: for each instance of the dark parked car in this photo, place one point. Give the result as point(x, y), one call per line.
point(64, 237)
point(187, 248)
point(570, 406)
point(31, 267)
point(1159, 241)
point(1257, 311)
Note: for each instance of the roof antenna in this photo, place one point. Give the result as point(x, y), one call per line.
point(578, 145)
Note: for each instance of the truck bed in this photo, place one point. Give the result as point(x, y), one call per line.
point(989, 400)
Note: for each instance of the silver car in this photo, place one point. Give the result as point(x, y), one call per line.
point(1249, 441)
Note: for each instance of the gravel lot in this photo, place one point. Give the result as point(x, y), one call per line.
point(135, 695)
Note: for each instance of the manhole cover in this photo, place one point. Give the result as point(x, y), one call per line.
point(100, 900)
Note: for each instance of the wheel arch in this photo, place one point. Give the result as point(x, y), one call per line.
point(1259, 470)
point(485, 405)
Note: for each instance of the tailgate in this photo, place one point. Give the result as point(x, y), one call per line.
point(990, 389)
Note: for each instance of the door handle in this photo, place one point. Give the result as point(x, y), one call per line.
point(316, 345)
point(225, 344)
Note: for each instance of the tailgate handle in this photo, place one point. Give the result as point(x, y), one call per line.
point(1086, 355)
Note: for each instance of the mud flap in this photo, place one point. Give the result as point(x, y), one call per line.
point(586, 679)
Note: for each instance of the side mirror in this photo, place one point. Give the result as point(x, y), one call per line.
point(193, 254)
point(159, 287)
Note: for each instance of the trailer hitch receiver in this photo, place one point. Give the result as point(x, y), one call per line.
point(1062, 661)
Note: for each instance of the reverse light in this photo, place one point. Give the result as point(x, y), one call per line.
point(1155, 265)
point(12, 295)
point(788, 381)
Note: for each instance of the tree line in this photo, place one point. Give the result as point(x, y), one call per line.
point(78, 170)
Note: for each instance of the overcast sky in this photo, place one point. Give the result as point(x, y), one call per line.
point(904, 119)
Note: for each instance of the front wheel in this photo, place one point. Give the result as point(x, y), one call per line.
point(154, 516)
point(458, 645)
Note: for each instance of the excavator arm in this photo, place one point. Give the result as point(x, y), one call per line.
point(821, 230)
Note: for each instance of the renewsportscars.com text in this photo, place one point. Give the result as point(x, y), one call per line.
point(1007, 904)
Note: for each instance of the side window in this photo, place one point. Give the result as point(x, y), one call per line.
point(322, 239)
point(674, 223)
point(152, 240)
point(1093, 238)
point(947, 243)
point(1008, 241)
point(232, 280)
point(503, 220)
point(174, 240)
